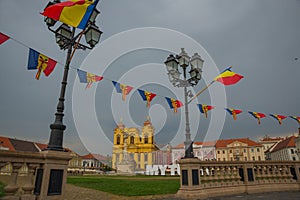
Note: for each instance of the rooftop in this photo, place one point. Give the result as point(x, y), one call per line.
point(287, 143)
point(271, 139)
point(13, 144)
point(225, 143)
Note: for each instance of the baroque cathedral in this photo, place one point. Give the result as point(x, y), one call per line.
point(137, 145)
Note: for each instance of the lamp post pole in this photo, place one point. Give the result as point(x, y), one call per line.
point(196, 64)
point(70, 41)
point(188, 142)
point(57, 128)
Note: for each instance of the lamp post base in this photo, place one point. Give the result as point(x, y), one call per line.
point(56, 137)
point(189, 153)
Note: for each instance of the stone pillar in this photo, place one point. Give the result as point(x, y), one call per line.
point(142, 160)
point(245, 174)
point(114, 159)
point(150, 159)
point(54, 175)
point(12, 186)
point(297, 167)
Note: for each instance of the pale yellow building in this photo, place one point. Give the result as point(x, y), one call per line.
point(240, 149)
point(139, 146)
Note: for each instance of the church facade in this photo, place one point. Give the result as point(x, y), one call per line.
point(138, 144)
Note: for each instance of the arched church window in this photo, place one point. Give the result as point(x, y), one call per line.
point(146, 139)
point(131, 139)
point(118, 139)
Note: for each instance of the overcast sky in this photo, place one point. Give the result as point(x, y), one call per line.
point(259, 38)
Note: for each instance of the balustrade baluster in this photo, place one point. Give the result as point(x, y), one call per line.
point(278, 173)
point(285, 173)
point(2, 164)
point(268, 174)
point(257, 173)
point(229, 176)
point(281, 173)
point(275, 174)
point(263, 174)
point(12, 186)
point(204, 175)
point(211, 177)
point(29, 185)
point(235, 174)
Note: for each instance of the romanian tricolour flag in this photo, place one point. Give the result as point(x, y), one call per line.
point(3, 38)
point(204, 108)
point(123, 89)
point(75, 13)
point(147, 96)
point(296, 118)
point(227, 77)
point(257, 115)
point(233, 112)
point(278, 117)
point(174, 104)
point(40, 62)
point(89, 78)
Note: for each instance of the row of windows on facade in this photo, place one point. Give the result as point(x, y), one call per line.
point(237, 151)
point(91, 164)
point(199, 153)
point(238, 158)
point(131, 140)
point(292, 150)
point(283, 155)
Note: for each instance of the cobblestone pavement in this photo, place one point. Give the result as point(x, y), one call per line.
point(79, 193)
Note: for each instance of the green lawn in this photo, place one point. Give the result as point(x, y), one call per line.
point(2, 189)
point(128, 185)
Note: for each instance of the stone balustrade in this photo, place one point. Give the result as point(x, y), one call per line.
point(42, 176)
point(31, 176)
point(203, 179)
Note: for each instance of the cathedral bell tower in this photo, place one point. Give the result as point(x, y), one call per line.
point(148, 132)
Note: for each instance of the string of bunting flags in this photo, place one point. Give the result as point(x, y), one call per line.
point(42, 63)
point(257, 115)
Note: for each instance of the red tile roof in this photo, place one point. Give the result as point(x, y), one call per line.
point(198, 143)
point(22, 145)
point(41, 146)
point(209, 143)
point(89, 156)
point(224, 143)
point(100, 157)
point(179, 146)
point(289, 142)
point(5, 142)
point(266, 139)
point(204, 144)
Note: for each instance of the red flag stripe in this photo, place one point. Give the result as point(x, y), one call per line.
point(3, 38)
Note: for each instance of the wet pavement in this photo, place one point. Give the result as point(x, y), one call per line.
point(262, 196)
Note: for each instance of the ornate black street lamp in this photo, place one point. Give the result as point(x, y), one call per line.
point(67, 39)
point(184, 61)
